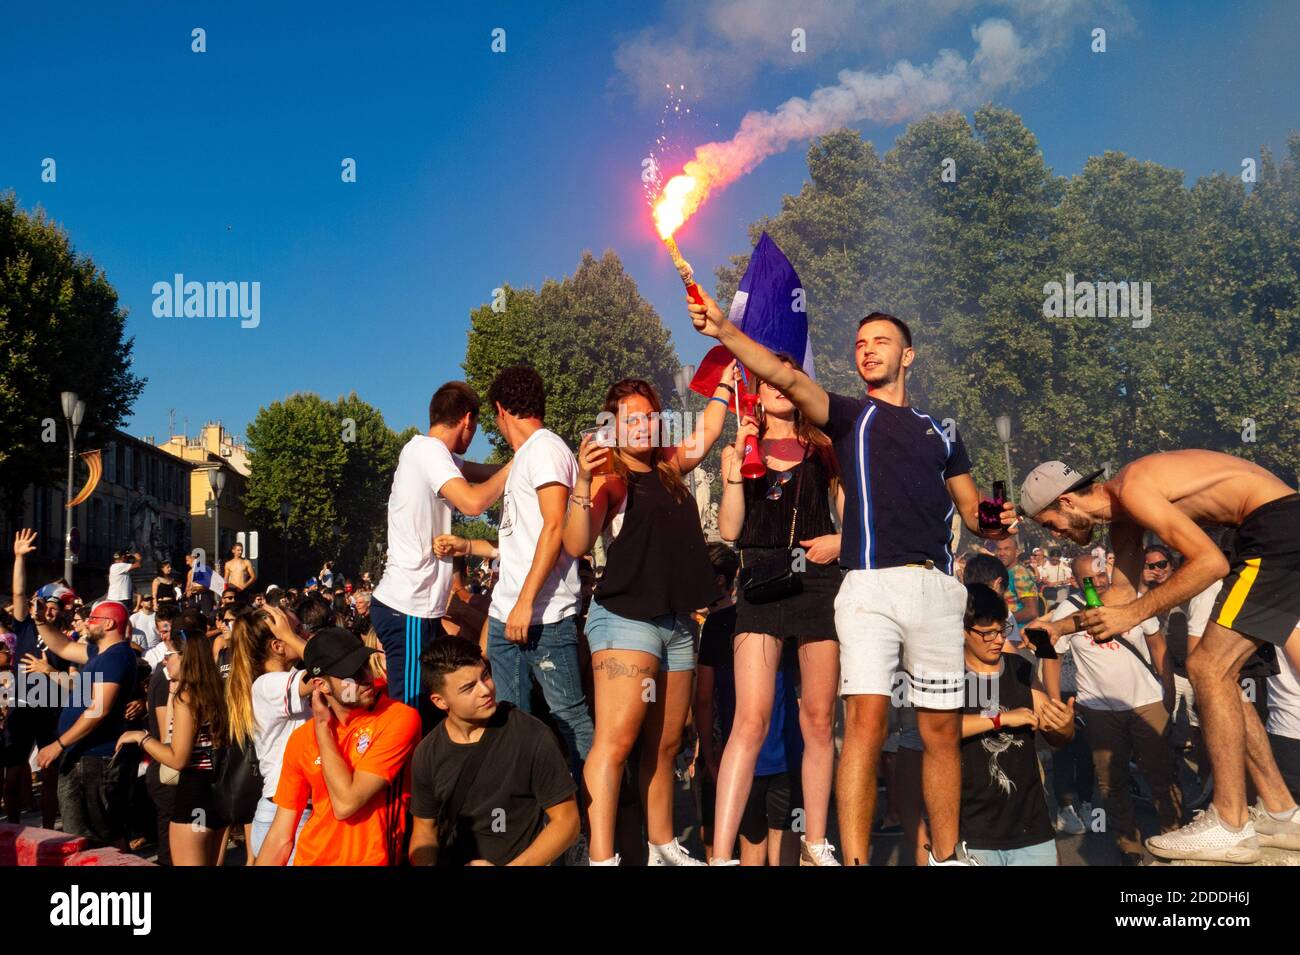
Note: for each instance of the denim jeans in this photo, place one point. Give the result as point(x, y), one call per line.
point(551, 658)
point(1042, 854)
point(262, 820)
point(93, 797)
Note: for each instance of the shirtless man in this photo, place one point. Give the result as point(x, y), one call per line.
point(239, 570)
point(1169, 495)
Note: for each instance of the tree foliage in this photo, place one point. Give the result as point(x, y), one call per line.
point(60, 330)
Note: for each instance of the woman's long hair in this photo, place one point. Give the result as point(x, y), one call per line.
point(809, 435)
point(200, 687)
point(252, 636)
point(663, 458)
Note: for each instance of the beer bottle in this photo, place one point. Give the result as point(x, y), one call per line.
point(1090, 593)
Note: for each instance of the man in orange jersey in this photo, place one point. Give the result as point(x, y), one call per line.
point(351, 762)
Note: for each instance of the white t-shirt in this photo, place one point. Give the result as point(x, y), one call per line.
point(415, 582)
point(119, 582)
point(1054, 575)
point(143, 631)
point(1108, 676)
point(1284, 699)
point(1199, 607)
point(278, 709)
point(543, 459)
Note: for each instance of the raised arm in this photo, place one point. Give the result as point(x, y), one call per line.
point(698, 443)
point(591, 501)
point(473, 499)
point(808, 396)
point(24, 544)
point(731, 512)
point(60, 645)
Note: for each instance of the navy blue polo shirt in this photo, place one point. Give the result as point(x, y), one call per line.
point(894, 464)
point(114, 665)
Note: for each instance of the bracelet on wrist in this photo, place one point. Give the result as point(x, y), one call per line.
point(730, 481)
point(723, 384)
point(722, 401)
point(582, 502)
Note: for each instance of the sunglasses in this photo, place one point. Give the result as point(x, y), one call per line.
point(777, 487)
point(1158, 565)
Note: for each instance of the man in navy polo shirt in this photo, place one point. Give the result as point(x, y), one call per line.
point(899, 606)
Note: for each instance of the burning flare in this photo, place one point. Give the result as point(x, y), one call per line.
point(681, 196)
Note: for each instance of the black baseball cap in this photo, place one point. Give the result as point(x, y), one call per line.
point(333, 651)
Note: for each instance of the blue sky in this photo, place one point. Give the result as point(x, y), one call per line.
point(476, 169)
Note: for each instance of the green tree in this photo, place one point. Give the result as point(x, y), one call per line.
point(581, 333)
point(333, 462)
point(61, 329)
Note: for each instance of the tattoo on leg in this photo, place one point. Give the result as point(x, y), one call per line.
point(616, 668)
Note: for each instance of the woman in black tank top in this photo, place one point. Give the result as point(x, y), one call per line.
point(788, 508)
point(639, 629)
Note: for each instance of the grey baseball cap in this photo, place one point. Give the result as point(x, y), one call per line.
point(1049, 481)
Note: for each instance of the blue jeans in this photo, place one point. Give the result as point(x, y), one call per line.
point(1042, 854)
point(551, 658)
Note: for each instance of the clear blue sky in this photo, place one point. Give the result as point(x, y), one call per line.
point(476, 169)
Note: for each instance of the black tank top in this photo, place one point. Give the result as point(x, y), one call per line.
point(767, 522)
point(658, 564)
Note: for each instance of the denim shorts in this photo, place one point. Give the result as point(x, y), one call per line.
point(1042, 854)
point(670, 637)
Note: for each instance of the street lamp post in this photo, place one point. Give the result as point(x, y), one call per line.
point(1003, 424)
point(74, 411)
point(217, 481)
point(682, 384)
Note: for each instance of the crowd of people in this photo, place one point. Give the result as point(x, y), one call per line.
point(516, 702)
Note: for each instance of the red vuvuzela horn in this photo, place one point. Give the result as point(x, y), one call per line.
point(751, 465)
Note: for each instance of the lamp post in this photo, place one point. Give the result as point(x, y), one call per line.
point(217, 481)
point(74, 411)
point(682, 385)
point(1003, 424)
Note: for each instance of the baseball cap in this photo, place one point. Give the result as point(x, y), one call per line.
point(333, 651)
point(1049, 481)
point(56, 593)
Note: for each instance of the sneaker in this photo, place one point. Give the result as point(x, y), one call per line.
point(1280, 834)
point(1068, 822)
point(816, 853)
point(576, 854)
point(723, 861)
point(1205, 839)
point(671, 854)
point(616, 859)
point(959, 857)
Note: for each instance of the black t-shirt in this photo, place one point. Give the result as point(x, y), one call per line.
point(894, 463)
point(1003, 805)
point(504, 809)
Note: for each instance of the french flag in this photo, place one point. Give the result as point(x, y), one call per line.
point(769, 308)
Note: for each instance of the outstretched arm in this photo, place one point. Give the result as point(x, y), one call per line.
point(24, 544)
point(808, 396)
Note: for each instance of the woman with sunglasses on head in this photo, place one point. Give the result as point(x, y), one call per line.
point(782, 520)
point(639, 627)
point(197, 728)
point(268, 697)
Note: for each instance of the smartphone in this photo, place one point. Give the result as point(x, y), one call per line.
point(1041, 641)
point(990, 512)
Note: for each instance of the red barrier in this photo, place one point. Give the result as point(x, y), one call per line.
point(30, 846)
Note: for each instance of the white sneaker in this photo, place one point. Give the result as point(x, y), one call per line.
point(1283, 834)
point(671, 854)
point(577, 854)
point(616, 859)
point(1205, 839)
point(960, 857)
point(816, 853)
point(723, 861)
point(1068, 822)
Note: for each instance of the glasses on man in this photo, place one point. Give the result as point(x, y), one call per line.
point(777, 486)
point(1157, 564)
point(987, 634)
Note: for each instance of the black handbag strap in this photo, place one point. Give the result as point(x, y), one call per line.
point(451, 809)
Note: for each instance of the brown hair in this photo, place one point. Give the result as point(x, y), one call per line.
point(200, 688)
point(810, 436)
point(251, 636)
point(664, 459)
point(452, 402)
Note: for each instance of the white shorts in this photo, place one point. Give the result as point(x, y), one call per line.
point(1185, 701)
point(908, 618)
